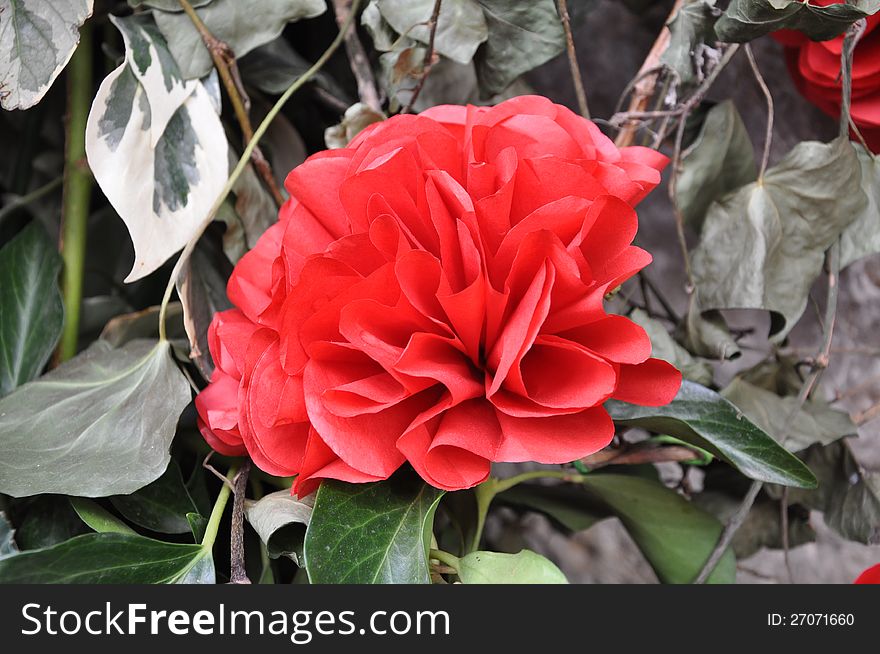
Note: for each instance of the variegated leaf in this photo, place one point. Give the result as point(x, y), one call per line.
point(156, 147)
point(37, 39)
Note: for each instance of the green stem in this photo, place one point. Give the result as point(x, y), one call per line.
point(487, 491)
point(446, 558)
point(245, 159)
point(217, 512)
point(77, 190)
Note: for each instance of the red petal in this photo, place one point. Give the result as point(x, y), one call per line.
point(652, 383)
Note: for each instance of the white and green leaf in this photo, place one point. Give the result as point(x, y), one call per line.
point(37, 39)
point(156, 147)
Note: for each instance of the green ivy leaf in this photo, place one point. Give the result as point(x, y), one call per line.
point(108, 558)
point(720, 160)
point(675, 535)
point(280, 519)
point(461, 26)
point(99, 424)
point(242, 24)
point(566, 505)
point(201, 288)
point(706, 333)
point(762, 246)
point(862, 236)
point(371, 533)
point(703, 418)
point(37, 40)
point(522, 36)
point(7, 537)
point(31, 311)
point(524, 567)
point(746, 20)
point(848, 495)
point(691, 30)
point(47, 520)
point(816, 422)
point(98, 518)
point(160, 506)
point(762, 526)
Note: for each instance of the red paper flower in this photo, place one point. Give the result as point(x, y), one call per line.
point(815, 68)
point(434, 294)
point(870, 576)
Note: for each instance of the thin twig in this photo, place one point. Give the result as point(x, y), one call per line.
point(238, 574)
point(429, 57)
point(688, 106)
point(640, 454)
point(227, 68)
point(768, 138)
point(576, 77)
point(242, 164)
point(819, 365)
point(33, 196)
point(869, 414)
point(667, 307)
point(207, 466)
point(644, 89)
point(783, 523)
point(357, 59)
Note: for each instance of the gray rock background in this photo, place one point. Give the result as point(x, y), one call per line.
point(612, 42)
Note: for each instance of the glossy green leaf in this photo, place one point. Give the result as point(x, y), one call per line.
point(37, 39)
point(762, 246)
point(98, 425)
point(675, 536)
point(197, 525)
point(48, 520)
point(98, 518)
point(107, 558)
point(522, 36)
point(280, 519)
point(702, 417)
point(376, 533)
point(746, 20)
point(815, 422)
point(160, 506)
point(720, 160)
point(242, 24)
point(524, 567)
point(566, 505)
point(31, 311)
point(862, 237)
